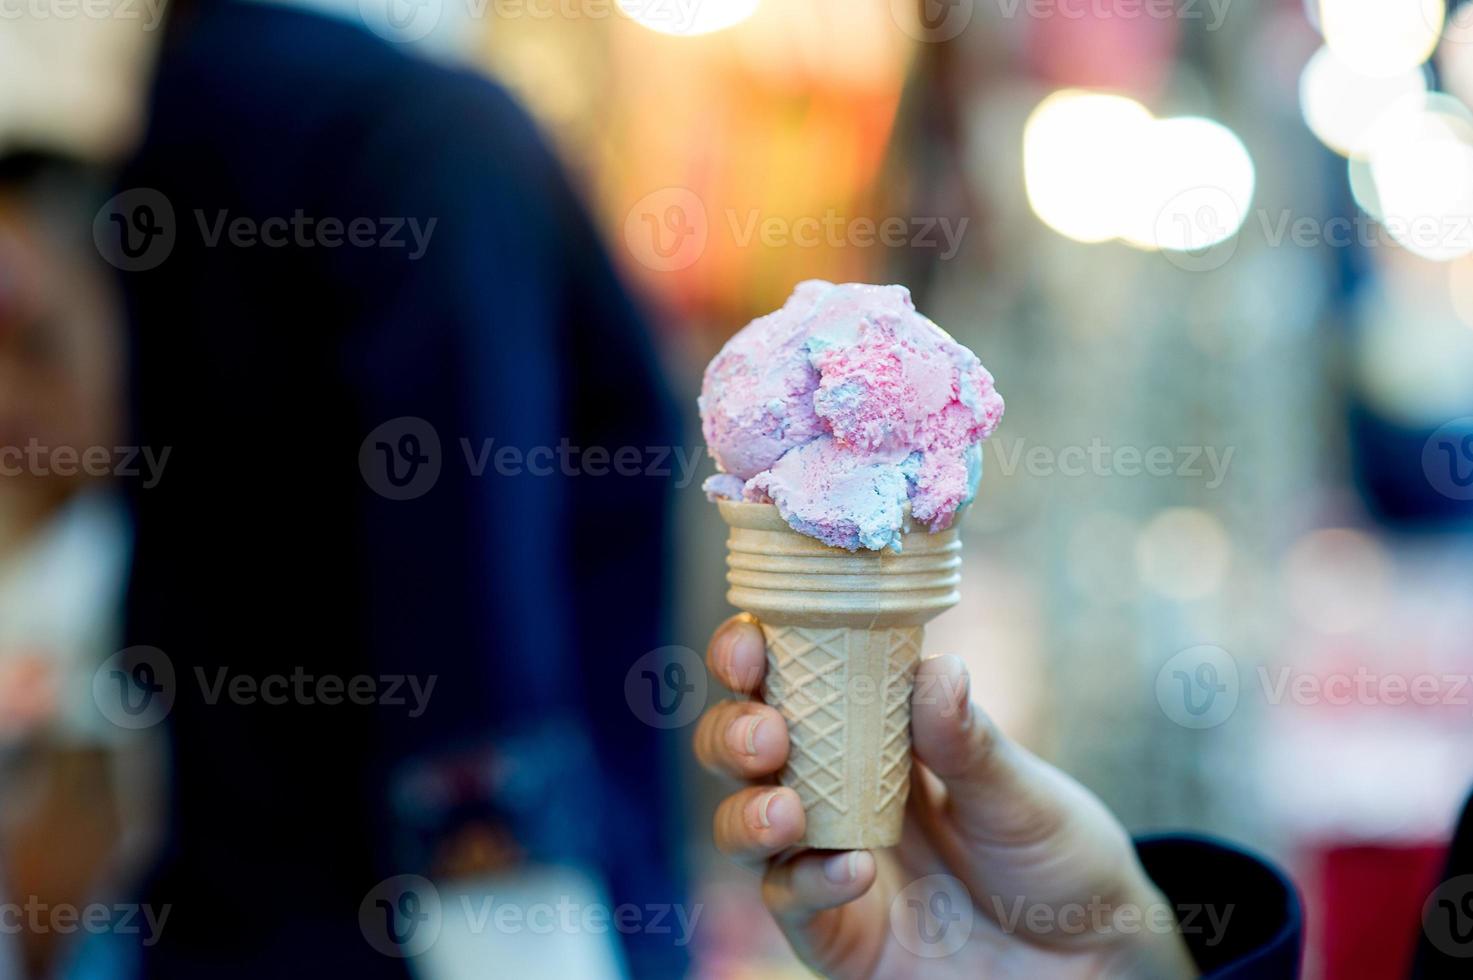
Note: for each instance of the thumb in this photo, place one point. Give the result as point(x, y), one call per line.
point(997, 791)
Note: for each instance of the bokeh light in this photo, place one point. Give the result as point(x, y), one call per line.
point(1099, 167)
point(1341, 105)
point(1078, 151)
point(1194, 186)
point(1183, 553)
point(1382, 37)
point(1421, 162)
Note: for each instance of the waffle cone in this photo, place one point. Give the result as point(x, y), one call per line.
point(843, 632)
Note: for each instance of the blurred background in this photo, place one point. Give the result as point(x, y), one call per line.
point(1218, 255)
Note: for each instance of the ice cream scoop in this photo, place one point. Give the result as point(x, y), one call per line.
point(841, 408)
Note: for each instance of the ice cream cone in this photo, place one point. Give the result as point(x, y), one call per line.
point(843, 633)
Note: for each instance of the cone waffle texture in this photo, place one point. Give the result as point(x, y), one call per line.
point(843, 634)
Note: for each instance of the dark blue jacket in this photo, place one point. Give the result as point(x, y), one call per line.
point(274, 546)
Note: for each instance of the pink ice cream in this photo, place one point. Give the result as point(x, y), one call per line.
point(841, 407)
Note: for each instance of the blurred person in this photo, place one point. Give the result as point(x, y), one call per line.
point(356, 276)
point(73, 787)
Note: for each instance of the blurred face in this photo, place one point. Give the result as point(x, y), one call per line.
point(60, 356)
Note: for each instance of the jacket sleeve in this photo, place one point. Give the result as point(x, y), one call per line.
point(1240, 916)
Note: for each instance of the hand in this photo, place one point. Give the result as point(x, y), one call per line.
point(1045, 864)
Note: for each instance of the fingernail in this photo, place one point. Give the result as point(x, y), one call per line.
point(842, 868)
point(723, 650)
point(741, 736)
point(763, 805)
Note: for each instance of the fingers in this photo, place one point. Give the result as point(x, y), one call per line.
point(948, 733)
point(996, 791)
point(832, 910)
point(815, 881)
point(737, 655)
point(742, 739)
point(754, 824)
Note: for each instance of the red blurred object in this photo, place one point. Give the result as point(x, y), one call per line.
point(1092, 47)
point(1365, 906)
